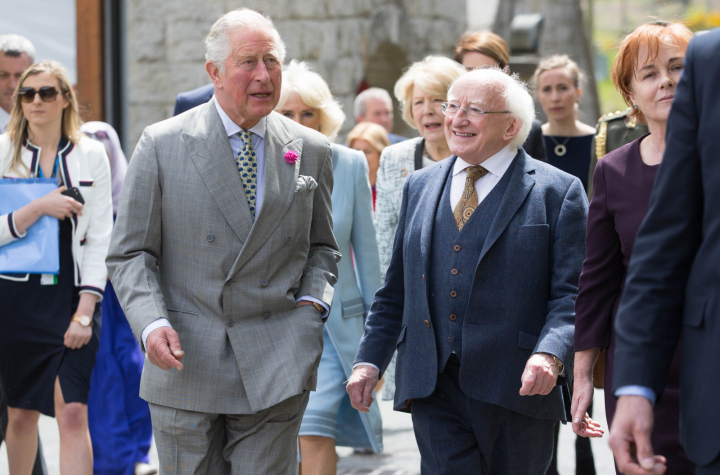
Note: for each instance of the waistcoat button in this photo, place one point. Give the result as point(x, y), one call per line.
point(454, 272)
point(453, 294)
point(453, 317)
point(427, 324)
point(457, 247)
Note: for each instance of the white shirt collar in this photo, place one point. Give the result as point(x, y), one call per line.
point(497, 164)
point(4, 119)
point(231, 128)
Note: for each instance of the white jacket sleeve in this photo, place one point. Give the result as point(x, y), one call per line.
point(8, 230)
point(93, 273)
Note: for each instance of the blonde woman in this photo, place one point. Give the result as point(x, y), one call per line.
point(371, 139)
point(50, 331)
point(306, 99)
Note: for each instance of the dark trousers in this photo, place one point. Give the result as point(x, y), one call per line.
point(584, 461)
point(458, 434)
point(39, 468)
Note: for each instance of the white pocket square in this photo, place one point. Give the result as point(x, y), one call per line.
point(305, 184)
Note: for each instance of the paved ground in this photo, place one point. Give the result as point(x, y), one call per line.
point(399, 458)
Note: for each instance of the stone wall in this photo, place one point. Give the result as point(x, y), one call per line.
point(346, 41)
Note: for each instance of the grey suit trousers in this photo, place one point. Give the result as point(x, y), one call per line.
point(199, 443)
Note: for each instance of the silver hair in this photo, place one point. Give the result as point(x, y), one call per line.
point(515, 93)
point(359, 108)
point(15, 45)
point(314, 92)
point(217, 43)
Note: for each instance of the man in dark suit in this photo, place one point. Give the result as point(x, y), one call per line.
point(479, 295)
point(673, 283)
point(187, 100)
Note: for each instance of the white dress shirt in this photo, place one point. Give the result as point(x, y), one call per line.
point(257, 138)
point(4, 119)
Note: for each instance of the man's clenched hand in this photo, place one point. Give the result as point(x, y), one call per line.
point(360, 387)
point(163, 348)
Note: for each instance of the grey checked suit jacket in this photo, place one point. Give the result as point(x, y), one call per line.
point(185, 248)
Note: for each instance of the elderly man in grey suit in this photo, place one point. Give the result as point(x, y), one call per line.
point(479, 295)
point(224, 261)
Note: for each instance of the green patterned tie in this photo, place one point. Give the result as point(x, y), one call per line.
point(246, 161)
point(469, 200)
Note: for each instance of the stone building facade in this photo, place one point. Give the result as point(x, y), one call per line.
point(349, 42)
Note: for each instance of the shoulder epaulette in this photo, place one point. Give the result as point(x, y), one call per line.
point(614, 116)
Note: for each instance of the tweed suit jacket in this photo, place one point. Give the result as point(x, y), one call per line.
point(521, 300)
point(185, 248)
point(397, 162)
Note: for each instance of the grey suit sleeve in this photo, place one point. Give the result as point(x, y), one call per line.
point(136, 245)
point(320, 271)
point(363, 240)
point(566, 259)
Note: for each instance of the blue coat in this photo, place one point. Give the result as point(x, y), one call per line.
point(189, 99)
point(354, 292)
point(521, 300)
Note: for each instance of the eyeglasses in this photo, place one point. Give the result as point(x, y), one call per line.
point(47, 94)
point(450, 109)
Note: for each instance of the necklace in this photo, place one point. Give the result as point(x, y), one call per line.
point(560, 148)
point(653, 146)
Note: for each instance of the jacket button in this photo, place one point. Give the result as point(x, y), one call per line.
point(454, 272)
point(264, 282)
point(229, 323)
point(427, 324)
point(288, 240)
point(449, 338)
point(453, 294)
point(266, 315)
point(453, 317)
point(457, 247)
point(423, 277)
point(210, 237)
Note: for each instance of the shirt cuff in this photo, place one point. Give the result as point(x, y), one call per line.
point(319, 302)
point(366, 364)
point(636, 391)
point(160, 322)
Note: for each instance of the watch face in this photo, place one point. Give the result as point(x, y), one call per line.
point(85, 320)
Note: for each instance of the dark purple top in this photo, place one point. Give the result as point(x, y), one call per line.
point(622, 185)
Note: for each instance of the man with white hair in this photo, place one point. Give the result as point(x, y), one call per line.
point(16, 55)
point(224, 261)
point(479, 295)
point(375, 105)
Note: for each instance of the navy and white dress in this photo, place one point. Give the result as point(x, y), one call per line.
point(34, 317)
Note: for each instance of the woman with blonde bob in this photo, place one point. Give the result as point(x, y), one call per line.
point(306, 99)
point(646, 71)
point(50, 332)
point(371, 139)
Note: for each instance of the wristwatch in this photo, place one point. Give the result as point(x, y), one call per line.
point(558, 363)
point(319, 307)
point(83, 320)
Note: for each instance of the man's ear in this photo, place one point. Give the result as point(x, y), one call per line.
point(512, 130)
point(214, 73)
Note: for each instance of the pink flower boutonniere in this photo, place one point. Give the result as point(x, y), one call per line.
point(291, 157)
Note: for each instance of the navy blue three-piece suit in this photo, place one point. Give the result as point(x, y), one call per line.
point(466, 310)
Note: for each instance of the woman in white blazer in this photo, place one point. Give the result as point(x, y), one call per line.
point(49, 323)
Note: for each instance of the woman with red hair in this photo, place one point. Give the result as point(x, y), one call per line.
point(646, 71)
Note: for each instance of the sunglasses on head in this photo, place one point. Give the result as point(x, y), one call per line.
point(47, 94)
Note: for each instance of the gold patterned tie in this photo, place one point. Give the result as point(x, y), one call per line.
point(469, 200)
point(246, 162)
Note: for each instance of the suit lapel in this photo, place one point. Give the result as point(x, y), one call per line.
point(517, 190)
point(210, 151)
point(434, 191)
point(278, 188)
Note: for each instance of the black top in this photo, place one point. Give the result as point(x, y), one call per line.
point(576, 160)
